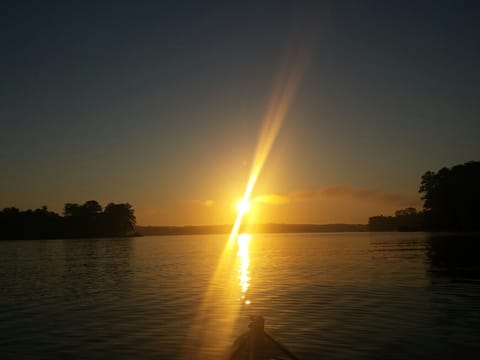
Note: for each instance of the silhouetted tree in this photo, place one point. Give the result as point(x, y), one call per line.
point(452, 198)
point(10, 223)
point(409, 219)
point(119, 219)
point(406, 212)
point(83, 220)
point(30, 224)
point(93, 217)
point(382, 223)
point(404, 220)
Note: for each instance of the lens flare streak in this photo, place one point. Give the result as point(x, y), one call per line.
point(281, 100)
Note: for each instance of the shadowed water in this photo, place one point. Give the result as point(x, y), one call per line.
point(332, 296)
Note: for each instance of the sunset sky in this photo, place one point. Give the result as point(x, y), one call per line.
point(161, 104)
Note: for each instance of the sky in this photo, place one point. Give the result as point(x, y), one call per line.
point(161, 104)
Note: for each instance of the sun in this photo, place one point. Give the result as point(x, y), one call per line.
point(243, 206)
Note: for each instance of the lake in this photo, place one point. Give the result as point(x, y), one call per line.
point(325, 295)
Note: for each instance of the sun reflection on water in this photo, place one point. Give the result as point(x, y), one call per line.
point(243, 241)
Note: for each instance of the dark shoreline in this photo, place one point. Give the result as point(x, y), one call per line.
point(221, 230)
point(256, 228)
point(141, 231)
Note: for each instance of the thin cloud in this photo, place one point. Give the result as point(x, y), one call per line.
point(207, 203)
point(338, 191)
point(272, 199)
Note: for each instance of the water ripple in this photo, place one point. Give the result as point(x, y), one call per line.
point(336, 296)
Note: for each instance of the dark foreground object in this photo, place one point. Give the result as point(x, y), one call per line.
point(256, 344)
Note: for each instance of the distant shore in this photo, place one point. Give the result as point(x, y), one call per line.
point(257, 228)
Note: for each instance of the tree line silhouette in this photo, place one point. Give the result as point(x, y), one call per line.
point(408, 219)
point(451, 202)
point(78, 221)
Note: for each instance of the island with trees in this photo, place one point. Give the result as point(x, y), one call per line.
point(408, 219)
point(270, 228)
point(78, 221)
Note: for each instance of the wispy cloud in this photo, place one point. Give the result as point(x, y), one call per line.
point(336, 192)
point(207, 203)
point(272, 199)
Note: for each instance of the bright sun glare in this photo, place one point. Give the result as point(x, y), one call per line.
point(243, 206)
point(282, 97)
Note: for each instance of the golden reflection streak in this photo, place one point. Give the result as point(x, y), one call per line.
point(243, 252)
point(284, 92)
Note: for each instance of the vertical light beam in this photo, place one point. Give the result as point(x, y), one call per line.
point(285, 89)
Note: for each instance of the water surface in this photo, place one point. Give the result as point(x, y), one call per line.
point(332, 296)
